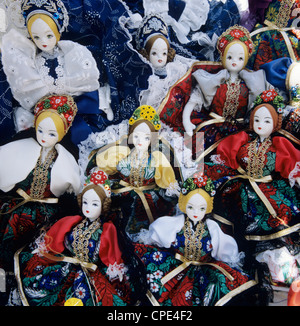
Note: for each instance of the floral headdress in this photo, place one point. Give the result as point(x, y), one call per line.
point(201, 184)
point(150, 26)
point(53, 8)
point(146, 112)
point(99, 178)
point(63, 105)
point(233, 34)
point(198, 181)
point(271, 97)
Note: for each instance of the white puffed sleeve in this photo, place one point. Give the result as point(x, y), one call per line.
point(224, 246)
point(208, 83)
point(256, 82)
point(162, 232)
point(65, 173)
point(18, 59)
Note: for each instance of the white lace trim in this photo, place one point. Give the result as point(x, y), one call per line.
point(173, 189)
point(294, 174)
point(116, 271)
point(114, 132)
point(216, 159)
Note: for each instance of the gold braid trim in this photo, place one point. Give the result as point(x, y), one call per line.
point(256, 154)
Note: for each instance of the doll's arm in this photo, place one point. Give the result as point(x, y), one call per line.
point(195, 102)
point(105, 100)
point(162, 232)
point(108, 160)
point(224, 246)
point(256, 82)
point(55, 236)
point(110, 253)
point(164, 174)
point(287, 159)
point(230, 146)
point(209, 83)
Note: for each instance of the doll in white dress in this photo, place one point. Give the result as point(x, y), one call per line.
point(43, 64)
point(34, 174)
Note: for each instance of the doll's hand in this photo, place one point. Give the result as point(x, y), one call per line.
point(109, 113)
point(189, 127)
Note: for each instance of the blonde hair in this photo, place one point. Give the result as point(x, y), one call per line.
point(48, 20)
point(246, 51)
point(184, 199)
point(56, 118)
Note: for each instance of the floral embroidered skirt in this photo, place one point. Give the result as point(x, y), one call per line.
point(202, 285)
point(43, 282)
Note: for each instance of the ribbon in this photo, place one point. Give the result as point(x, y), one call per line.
point(270, 26)
point(216, 118)
point(261, 195)
point(89, 266)
point(289, 136)
point(27, 199)
point(140, 192)
point(186, 263)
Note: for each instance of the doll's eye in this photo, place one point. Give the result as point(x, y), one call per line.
point(189, 207)
point(153, 53)
point(241, 58)
point(84, 202)
point(229, 57)
point(49, 36)
point(36, 37)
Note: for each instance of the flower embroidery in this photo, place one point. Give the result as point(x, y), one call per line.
point(98, 177)
point(269, 95)
point(157, 256)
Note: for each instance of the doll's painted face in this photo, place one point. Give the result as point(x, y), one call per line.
point(235, 58)
point(141, 137)
point(43, 36)
point(263, 123)
point(91, 204)
point(46, 133)
point(196, 208)
point(159, 53)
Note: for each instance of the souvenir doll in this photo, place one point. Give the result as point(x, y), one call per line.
point(194, 25)
point(152, 42)
point(189, 260)
point(143, 179)
point(78, 260)
point(284, 74)
point(53, 66)
point(278, 35)
point(260, 198)
point(34, 173)
point(228, 94)
point(214, 97)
